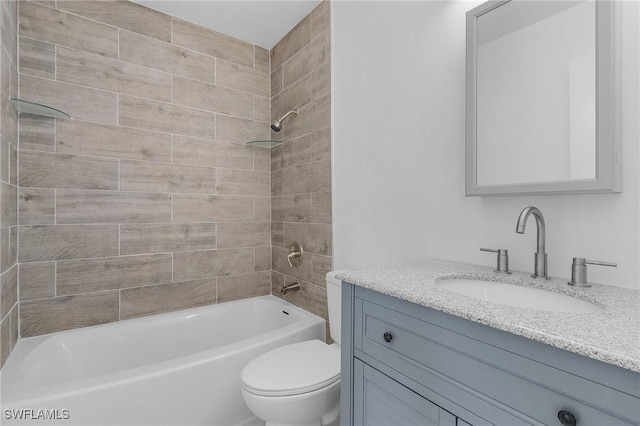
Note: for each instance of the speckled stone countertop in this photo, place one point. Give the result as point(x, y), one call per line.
point(612, 336)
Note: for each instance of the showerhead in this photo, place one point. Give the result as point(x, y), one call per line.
point(276, 126)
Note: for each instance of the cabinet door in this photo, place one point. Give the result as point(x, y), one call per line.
point(381, 401)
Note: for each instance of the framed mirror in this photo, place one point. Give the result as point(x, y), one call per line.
point(541, 98)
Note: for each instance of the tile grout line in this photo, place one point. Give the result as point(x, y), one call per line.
point(217, 228)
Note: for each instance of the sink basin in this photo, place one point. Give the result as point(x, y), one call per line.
point(518, 296)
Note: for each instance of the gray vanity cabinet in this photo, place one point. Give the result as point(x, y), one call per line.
point(405, 364)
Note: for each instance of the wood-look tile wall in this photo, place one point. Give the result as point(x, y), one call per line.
point(148, 200)
point(8, 179)
point(301, 166)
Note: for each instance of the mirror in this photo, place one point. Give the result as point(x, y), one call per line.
point(540, 98)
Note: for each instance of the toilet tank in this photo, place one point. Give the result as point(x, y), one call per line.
point(334, 297)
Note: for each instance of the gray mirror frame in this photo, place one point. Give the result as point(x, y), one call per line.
point(608, 149)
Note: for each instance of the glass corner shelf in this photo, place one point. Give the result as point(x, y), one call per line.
point(28, 107)
point(265, 143)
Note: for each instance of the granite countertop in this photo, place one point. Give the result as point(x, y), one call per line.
point(612, 336)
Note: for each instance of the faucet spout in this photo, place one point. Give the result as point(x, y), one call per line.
point(289, 287)
point(540, 265)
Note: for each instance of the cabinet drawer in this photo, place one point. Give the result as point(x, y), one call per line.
point(464, 369)
point(383, 401)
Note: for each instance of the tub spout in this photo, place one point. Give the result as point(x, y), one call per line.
point(289, 287)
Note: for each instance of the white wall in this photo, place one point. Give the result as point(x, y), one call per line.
point(398, 146)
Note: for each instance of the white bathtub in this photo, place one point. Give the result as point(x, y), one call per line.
point(181, 368)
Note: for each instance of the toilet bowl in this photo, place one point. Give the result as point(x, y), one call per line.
point(299, 384)
point(296, 384)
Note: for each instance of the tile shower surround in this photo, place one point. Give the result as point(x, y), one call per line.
point(148, 200)
point(8, 180)
point(301, 167)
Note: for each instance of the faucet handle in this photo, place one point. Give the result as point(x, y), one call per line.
point(579, 270)
point(494, 250)
point(596, 262)
point(502, 261)
point(296, 255)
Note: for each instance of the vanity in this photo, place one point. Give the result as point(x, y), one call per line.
point(417, 352)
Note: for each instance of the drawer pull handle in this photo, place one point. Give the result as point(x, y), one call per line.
point(566, 418)
point(387, 337)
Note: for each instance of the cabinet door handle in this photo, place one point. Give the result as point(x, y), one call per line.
point(387, 337)
point(567, 418)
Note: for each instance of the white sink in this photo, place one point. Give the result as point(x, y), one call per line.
point(518, 296)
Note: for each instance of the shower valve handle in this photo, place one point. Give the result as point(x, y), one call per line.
point(295, 256)
point(291, 256)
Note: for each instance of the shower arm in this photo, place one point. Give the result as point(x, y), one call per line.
point(288, 114)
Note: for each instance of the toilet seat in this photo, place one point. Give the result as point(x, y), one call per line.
point(292, 369)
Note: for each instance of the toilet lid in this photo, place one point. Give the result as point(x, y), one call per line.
point(292, 369)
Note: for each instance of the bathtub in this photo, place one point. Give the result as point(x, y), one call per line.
point(181, 368)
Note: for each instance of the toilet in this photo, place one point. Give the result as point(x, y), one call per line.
point(299, 384)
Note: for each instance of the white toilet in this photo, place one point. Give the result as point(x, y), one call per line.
point(299, 384)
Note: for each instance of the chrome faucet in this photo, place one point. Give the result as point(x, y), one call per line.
point(540, 262)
